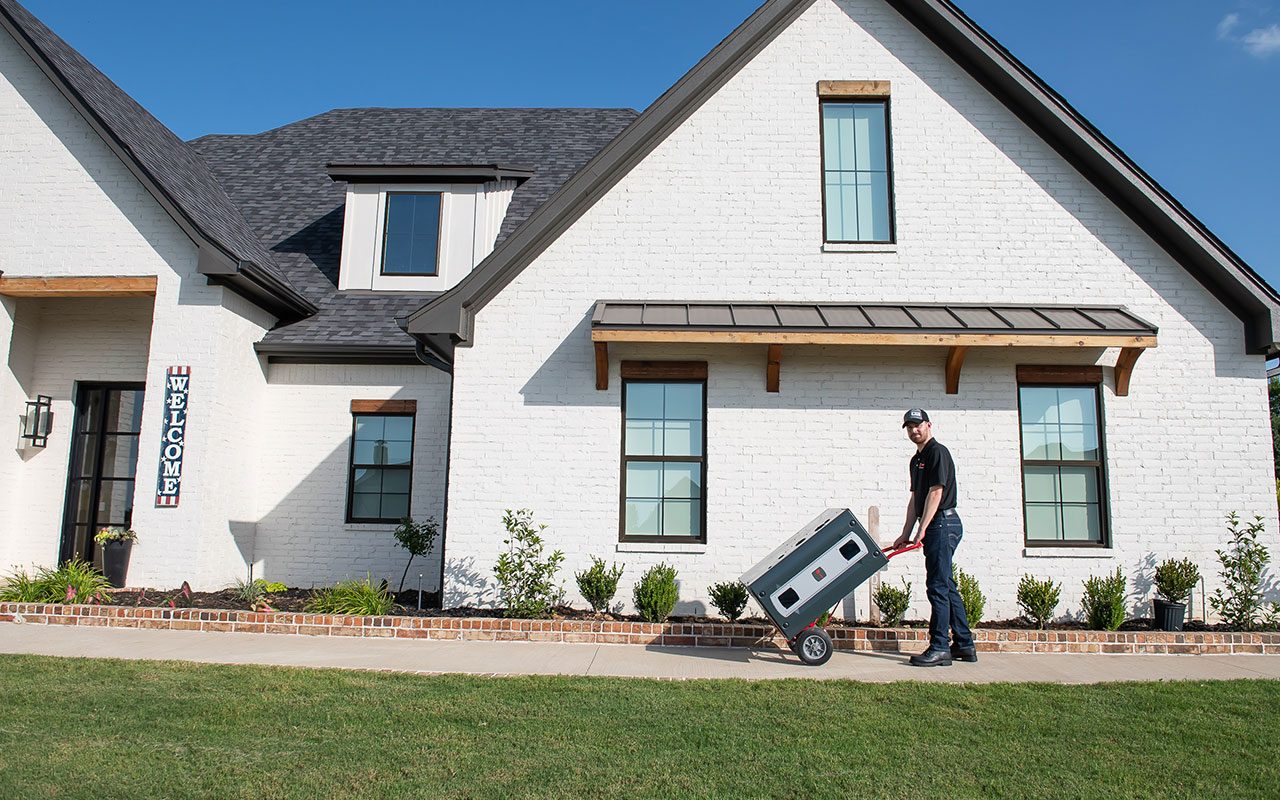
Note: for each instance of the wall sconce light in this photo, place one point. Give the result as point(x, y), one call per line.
point(38, 422)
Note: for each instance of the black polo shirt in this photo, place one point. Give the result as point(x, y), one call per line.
point(931, 467)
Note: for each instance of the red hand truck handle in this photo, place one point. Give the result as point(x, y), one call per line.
point(899, 551)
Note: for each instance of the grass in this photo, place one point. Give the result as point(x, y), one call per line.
point(73, 728)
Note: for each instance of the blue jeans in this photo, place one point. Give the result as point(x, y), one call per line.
point(947, 618)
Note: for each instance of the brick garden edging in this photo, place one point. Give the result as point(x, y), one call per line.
point(675, 634)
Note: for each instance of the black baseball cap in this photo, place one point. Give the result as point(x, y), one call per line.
point(914, 417)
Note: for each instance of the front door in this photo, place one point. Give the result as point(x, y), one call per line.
point(104, 458)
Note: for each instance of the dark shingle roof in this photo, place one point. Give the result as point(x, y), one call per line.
point(279, 180)
point(168, 163)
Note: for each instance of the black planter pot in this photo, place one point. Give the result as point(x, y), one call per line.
point(115, 562)
point(1169, 616)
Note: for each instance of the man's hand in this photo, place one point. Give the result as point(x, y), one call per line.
point(902, 541)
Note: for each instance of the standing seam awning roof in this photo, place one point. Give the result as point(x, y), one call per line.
point(868, 318)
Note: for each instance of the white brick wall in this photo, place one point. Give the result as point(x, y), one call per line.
point(303, 454)
point(728, 207)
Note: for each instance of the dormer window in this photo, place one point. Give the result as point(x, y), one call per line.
point(411, 239)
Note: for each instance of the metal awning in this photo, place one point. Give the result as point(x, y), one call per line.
point(955, 326)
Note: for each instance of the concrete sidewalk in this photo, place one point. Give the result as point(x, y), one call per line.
point(528, 658)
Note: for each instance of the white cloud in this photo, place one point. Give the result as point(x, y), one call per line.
point(1263, 42)
point(1227, 25)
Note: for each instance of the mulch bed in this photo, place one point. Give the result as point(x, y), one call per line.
point(295, 601)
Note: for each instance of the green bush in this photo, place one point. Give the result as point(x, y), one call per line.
point(1239, 600)
point(655, 595)
point(353, 598)
point(599, 584)
point(1174, 580)
point(1103, 601)
point(526, 578)
point(1038, 599)
point(76, 581)
point(892, 602)
point(975, 601)
point(272, 587)
point(729, 598)
point(416, 537)
point(250, 592)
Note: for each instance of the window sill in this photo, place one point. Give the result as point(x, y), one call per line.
point(1068, 552)
point(661, 547)
point(856, 247)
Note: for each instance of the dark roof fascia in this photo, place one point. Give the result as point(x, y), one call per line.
point(1206, 257)
point(452, 314)
point(336, 353)
point(403, 173)
point(244, 277)
point(1089, 151)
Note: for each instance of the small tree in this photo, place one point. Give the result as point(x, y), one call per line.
point(526, 578)
point(416, 537)
point(656, 593)
point(892, 602)
point(1104, 601)
point(1038, 599)
point(1175, 579)
point(729, 598)
point(599, 584)
point(1239, 600)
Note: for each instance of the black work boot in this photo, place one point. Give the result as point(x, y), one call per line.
point(969, 654)
point(931, 658)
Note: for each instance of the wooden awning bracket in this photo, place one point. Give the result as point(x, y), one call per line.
point(602, 365)
point(773, 368)
point(1124, 369)
point(955, 362)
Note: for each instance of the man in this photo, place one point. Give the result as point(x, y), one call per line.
point(932, 512)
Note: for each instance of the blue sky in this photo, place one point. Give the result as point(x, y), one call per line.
point(1189, 88)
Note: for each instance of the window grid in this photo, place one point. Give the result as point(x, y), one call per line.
point(671, 485)
point(1077, 484)
point(857, 185)
point(380, 468)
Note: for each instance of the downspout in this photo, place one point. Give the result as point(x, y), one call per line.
point(430, 359)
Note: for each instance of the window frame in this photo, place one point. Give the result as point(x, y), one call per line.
point(352, 466)
point(824, 99)
point(693, 372)
point(1047, 377)
point(386, 226)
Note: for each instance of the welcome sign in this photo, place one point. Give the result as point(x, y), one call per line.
point(173, 438)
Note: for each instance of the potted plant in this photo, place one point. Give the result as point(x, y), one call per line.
point(116, 544)
point(1174, 581)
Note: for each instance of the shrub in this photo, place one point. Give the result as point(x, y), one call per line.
point(892, 601)
point(1104, 601)
point(1239, 600)
point(272, 587)
point(1038, 599)
point(599, 584)
point(416, 537)
point(355, 598)
point(76, 581)
point(729, 598)
point(655, 595)
point(974, 600)
point(526, 578)
point(250, 592)
point(1175, 579)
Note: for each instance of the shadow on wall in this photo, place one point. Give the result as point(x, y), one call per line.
point(1011, 141)
point(467, 585)
point(320, 243)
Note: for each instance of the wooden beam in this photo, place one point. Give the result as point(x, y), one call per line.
point(1050, 374)
point(673, 370)
point(1124, 369)
point(909, 339)
point(835, 89)
point(602, 366)
point(384, 406)
point(103, 286)
point(955, 362)
point(773, 368)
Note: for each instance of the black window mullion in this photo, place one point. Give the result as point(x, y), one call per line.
point(353, 466)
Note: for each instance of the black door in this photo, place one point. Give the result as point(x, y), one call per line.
point(104, 458)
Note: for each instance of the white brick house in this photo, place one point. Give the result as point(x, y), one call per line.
point(1000, 264)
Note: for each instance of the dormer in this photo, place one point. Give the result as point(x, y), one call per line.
point(420, 227)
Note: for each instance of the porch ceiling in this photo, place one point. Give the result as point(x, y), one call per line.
point(955, 326)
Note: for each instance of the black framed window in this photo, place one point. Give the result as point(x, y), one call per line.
point(857, 182)
point(1063, 478)
point(381, 468)
point(663, 459)
point(411, 233)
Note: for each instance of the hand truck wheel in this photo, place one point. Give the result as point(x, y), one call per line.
point(813, 645)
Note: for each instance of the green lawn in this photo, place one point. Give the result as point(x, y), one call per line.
point(115, 729)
